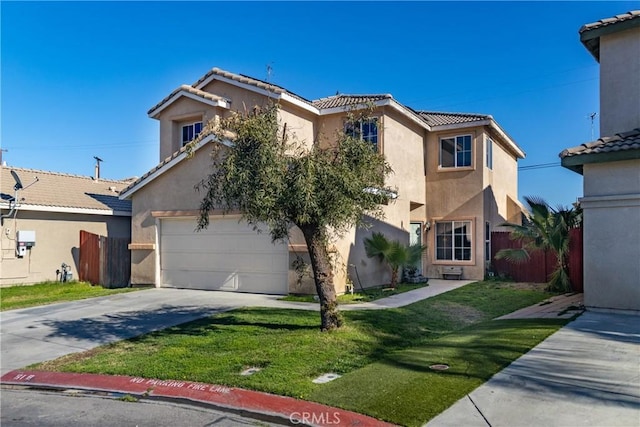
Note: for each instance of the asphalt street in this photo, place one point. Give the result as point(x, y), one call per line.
point(21, 408)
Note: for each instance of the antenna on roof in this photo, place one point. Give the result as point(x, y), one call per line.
point(592, 116)
point(269, 71)
point(97, 169)
point(14, 202)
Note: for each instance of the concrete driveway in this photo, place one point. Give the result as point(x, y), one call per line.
point(32, 335)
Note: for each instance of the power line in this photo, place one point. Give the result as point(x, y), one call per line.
point(539, 166)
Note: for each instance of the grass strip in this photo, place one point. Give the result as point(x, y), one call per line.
point(51, 292)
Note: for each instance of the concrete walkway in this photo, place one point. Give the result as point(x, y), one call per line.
point(586, 374)
point(36, 334)
point(558, 307)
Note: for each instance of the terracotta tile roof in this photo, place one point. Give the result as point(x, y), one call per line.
point(59, 190)
point(633, 14)
point(590, 33)
point(434, 118)
point(347, 100)
point(241, 78)
point(190, 89)
point(624, 141)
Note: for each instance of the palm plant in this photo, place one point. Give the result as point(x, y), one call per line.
point(545, 228)
point(393, 253)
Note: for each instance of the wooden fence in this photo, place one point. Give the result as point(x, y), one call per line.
point(540, 266)
point(104, 260)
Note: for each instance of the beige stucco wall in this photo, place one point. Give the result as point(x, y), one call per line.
point(619, 82)
point(612, 235)
point(402, 143)
point(622, 177)
point(182, 112)
point(501, 185)
point(477, 194)
point(171, 191)
point(57, 241)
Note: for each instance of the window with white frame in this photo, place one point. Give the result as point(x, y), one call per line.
point(489, 154)
point(190, 131)
point(487, 241)
point(366, 129)
point(455, 152)
point(453, 240)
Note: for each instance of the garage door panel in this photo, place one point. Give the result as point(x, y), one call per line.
point(207, 280)
point(222, 262)
point(226, 256)
point(214, 243)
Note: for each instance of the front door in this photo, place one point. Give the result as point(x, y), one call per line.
point(415, 237)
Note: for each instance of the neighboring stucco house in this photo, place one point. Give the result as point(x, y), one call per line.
point(455, 174)
point(611, 168)
point(49, 213)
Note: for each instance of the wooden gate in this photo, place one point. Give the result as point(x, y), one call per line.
point(540, 264)
point(104, 260)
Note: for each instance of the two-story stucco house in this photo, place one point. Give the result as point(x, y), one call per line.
point(611, 168)
point(455, 174)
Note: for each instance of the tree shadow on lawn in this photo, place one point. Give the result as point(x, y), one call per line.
point(167, 320)
point(114, 327)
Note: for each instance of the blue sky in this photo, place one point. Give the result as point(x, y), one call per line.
point(78, 78)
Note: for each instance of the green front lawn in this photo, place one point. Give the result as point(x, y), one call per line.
point(383, 354)
point(51, 292)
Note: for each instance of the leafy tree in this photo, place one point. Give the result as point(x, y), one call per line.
point(545, 228)
point(270, 177)
point(393, 253)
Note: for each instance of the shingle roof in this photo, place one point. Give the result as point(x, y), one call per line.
point(434, 118)
point(590, 33)
point(347, 100)
point(624, 141)
point(59, 190)
point(190, 89)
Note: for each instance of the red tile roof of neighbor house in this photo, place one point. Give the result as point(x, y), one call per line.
point(624, 141)
point(60, 192)
point(590, 33)
point(633, 14)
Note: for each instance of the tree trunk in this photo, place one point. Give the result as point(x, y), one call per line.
point(394, 277)
point(323, 276)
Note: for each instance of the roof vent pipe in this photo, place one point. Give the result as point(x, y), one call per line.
point(97, 168)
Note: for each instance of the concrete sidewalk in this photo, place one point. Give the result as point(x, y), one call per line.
point(586, 374)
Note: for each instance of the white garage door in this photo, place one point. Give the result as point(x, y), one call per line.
point(228, 256)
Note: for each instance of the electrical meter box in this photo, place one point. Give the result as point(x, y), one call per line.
point(24, 240)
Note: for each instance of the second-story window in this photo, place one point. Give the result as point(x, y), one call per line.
point(366, 129)
point(455, 152)
point(489, 154)
point(190, 131)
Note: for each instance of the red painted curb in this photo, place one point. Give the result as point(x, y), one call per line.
point(294, 410)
